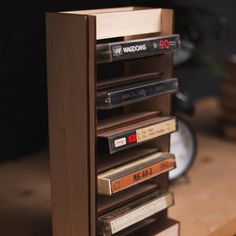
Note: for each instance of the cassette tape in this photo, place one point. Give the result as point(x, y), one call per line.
point(118, 139)
point(124, 95)
point(134, 212)
point(131, 174)
point(126, 50)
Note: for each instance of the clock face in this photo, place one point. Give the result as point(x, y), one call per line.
point(182, 144)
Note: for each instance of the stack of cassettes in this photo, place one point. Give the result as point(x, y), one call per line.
point(130, 164)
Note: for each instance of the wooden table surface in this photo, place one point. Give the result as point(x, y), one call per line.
point(205, 206)
point(25, 197)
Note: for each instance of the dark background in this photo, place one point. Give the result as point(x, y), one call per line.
point(23, 103)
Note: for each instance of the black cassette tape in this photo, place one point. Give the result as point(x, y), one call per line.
point(126, 50)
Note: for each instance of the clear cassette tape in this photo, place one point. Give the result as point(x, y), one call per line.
point(124, 95)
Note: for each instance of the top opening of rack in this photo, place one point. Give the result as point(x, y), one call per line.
point(94, 12)
point(125, 21)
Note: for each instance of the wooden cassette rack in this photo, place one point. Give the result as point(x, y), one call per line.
point(78, 155)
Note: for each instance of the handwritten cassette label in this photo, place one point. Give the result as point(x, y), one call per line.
point(156, 130)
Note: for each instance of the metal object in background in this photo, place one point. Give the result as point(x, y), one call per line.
point(183, 142)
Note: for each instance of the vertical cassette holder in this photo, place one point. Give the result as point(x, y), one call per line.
point(71, 61)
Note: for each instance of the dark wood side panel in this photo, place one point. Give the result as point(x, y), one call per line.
point(71, 124)
point(92, 122)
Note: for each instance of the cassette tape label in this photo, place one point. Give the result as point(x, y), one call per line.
point(120, 142)
point(136, 136)
point(141, 48)
point(153, 131)
point(139, 214)
point(142, 175)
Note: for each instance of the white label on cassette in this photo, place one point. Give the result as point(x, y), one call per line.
point(141, 213)
point(154, 131)
point(120, 142)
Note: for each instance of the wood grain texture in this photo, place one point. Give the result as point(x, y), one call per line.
point(107, 162)
point(127, 80)
point(124, 120)
point(112, 22)
point(118, 24)
point(103, 10)
point(206, 206)
point(92, 122)
point(206, 203)
point(71, 124)
point(228, 229)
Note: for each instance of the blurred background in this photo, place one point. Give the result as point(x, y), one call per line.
point(208, 27)
point(205, 67)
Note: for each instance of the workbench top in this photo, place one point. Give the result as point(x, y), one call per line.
point(206, 206)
